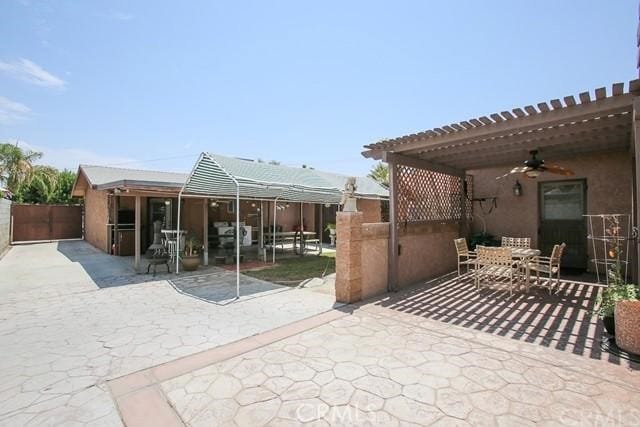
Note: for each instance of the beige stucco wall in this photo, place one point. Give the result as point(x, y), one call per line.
point(609, 190)
point(427, 252)
point(371, 210)
point(374, 253)
point(96, 211)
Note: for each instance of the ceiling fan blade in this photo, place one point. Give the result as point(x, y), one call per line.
point(518, 169)
point(558, 170)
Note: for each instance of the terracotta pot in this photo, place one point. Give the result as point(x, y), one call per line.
point(609, 325)
point(627, 316)
point(190, 262)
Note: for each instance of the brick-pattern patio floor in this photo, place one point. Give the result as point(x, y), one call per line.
point(381, 366)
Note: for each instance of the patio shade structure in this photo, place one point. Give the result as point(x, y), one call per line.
point(594, 122)
point(223, 177)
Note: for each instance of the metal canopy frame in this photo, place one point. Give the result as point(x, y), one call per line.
point(209, 179)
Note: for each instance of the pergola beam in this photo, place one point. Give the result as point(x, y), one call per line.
point(604, 141)
point(576, 113)
point(393, 158)
point(576, 130)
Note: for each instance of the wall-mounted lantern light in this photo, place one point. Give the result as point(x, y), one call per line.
point(214, 204)
point(167, 202)
point(517, 189)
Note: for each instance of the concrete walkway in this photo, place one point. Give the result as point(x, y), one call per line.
point(72, 317)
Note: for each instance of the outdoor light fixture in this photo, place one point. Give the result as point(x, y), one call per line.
point(327, 205)
point(517, 189)
point(167, 202)
point(533, 173)
point(214, 204)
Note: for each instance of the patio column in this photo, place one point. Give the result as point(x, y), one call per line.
point(392, 284)
point(136, 262)
point(205, 231)
point(635, 145)
point(349, 257)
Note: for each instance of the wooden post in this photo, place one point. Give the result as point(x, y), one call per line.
point(464, 223)
point(136, 263)
point(393, 227)
point(205, 231)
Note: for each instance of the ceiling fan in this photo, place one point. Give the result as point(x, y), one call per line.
point(534, 166)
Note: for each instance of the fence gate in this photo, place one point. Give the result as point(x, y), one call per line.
point(46, 222)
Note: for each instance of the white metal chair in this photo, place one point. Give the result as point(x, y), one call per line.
point(465, 256)
point(496, 263)
point(516, 242)
point(549, 266)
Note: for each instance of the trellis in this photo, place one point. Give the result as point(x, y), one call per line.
point(425, 195)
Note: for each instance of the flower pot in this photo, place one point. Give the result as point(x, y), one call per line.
point(609, 325)
point(628, 325)
point(190, 262)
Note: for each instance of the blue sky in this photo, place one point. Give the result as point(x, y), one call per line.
point(126, 83)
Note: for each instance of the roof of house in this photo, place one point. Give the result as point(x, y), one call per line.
point(100, 176)
point(560, 128)
point(105, 177)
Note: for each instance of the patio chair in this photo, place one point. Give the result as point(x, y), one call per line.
point(496, 263)
point(465, 256)
point(548, 266)
point(516, 242)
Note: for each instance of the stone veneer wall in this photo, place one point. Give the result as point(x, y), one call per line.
point(427, 252)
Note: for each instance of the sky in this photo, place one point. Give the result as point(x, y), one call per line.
point(150, 84)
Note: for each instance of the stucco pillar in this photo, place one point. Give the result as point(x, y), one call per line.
point(348, 256)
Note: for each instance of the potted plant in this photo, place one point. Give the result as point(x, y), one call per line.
point(482, 239)
point(191, 255)
point(331, 228)
point(618, 290)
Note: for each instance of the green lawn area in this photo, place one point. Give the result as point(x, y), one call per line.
point(297, 269)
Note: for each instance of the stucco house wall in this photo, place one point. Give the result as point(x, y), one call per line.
point(609, 190)
point(96, 211)
point(371, 209)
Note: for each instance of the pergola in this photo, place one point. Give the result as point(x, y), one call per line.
point(227, 178)
point(436, 161)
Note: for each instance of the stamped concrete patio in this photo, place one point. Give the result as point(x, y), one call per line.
point(431, 355)
point(72, 318)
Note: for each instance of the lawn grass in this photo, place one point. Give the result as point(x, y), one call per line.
point(297, 269)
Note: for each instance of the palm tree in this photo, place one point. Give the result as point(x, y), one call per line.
point(16, 165)
point(380, 173)
point(44, 181)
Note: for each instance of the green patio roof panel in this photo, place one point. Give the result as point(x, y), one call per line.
point(219, 176)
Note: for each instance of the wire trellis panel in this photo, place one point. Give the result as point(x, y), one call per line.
point(424, 195)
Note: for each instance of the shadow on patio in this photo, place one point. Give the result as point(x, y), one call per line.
point(563, 321)
point(211, 284)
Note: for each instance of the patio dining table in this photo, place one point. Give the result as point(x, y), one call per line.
point(297, 235)
point(524, 255)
